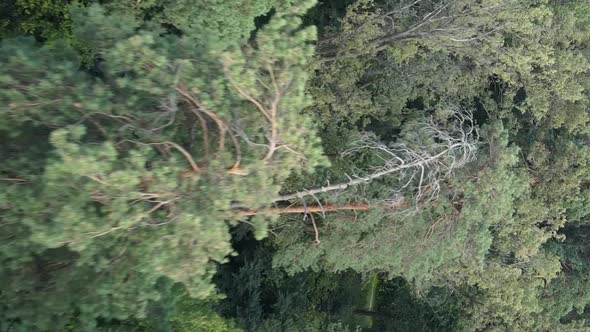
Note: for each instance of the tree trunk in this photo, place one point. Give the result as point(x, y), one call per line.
point(307, 209)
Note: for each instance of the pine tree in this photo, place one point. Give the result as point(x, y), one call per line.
point(484, 239)
point(112, 183)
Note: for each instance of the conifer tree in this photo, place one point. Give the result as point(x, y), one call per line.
point(115, 183)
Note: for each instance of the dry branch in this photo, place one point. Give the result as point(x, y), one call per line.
point(307, 209)
point(194, 167)
point(437, 20)
point(204, 129)
point(14, 180)
point(267, 100)
point(220, 124)
point(222, 127)
point(452, 148)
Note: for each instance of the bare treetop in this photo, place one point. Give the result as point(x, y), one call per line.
point(453, 145)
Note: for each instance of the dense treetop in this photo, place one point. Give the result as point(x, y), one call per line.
point(282, 165)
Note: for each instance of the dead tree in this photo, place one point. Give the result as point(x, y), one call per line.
point(445, 20)
point(452, 147)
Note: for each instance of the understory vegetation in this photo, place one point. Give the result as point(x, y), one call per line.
point(287, 165)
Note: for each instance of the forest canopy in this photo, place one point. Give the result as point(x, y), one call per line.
point(287, 165)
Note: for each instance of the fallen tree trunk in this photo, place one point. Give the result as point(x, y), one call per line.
point(307, 209)
point(321, 208)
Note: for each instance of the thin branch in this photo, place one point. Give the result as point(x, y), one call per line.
point(98, 126)
point(435, 23)
point(315, 229)
point(189, 158)
point(160, 204)
point(187, 155)
point(454, 148)
point(17, 180)
point(205, 130)
point(273, 116)
point(107, 232)
point(236, 165)
point(244, 94)
point(220, 124)
point(97, 179)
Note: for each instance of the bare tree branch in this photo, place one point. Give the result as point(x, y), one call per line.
point(220, 124)
point(315, 229)
point(267, 101)
point(453, 148)
point(434, 19)
point(306, 209)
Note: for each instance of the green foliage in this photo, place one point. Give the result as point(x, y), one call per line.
point(123, 187)
point(212, 23)
point(46, 19)
point(270, 300)
point(194, 316)
point(398, 308)
point(127, 180)
point(484, 238)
